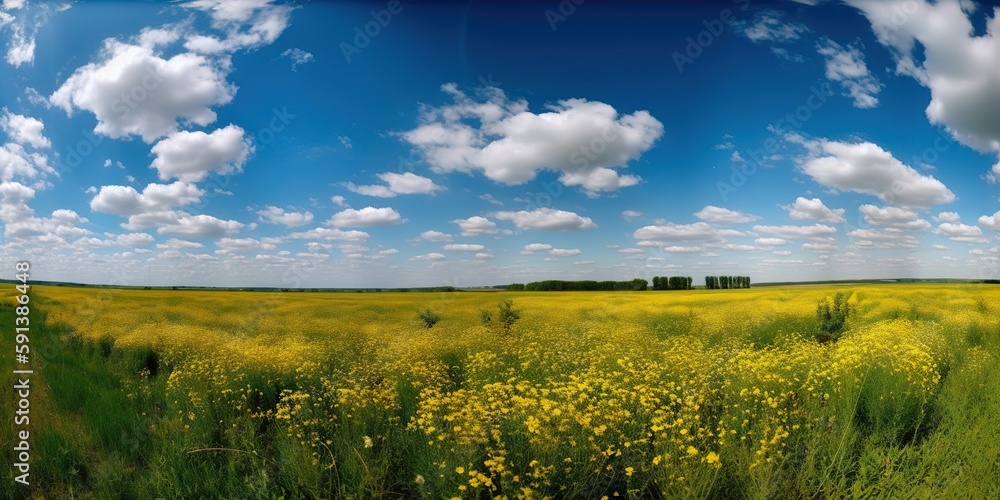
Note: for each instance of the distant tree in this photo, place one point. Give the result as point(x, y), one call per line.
point(515, 287)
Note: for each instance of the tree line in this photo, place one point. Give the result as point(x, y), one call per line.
point(637, 284)
point(726, 282)
point(672, 283)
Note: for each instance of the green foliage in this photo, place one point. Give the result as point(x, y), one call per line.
point(726, 282)
point(672, 283)
point(515, 287)
point(832, 317)
point(428, 318)
point(506, 316)
point(637, 284)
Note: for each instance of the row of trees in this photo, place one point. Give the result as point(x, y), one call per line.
point(672, 283)
point(571, 286)
point(726, 282)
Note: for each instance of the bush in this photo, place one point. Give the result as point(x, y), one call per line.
point(505, 319)
point(428, 317)
point(832, 317)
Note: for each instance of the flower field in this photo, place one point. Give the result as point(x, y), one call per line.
point(673, 394)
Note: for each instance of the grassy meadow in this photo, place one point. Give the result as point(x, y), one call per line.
point(679, 394)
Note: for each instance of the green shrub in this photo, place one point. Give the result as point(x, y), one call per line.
point(832, 317)
point(428, 317)
point(505, 318)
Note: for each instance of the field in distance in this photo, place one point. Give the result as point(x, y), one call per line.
point(781, 392)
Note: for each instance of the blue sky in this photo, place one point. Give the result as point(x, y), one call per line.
point(345, 144)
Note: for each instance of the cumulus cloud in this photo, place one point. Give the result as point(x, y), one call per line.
point(724, 215)
point(535, 248)
point(405, 183)
point(866, 168)
point(677, 232)
point(476, 226)
point(846, 65)
point(134, 240)
point(204, 226)
point(991, 221)
point(893, 217)
point(814, 209)
point(328, 234)
point(126, 201)
point(428, 257)
point(275, 215)
point(947, 217)
point(585, 142)
point(436, 236)
point(961, 232)
point(366, 217)
point(891, 238)
point(192, 156)
point(463, 247)
point(793, 232)
point(133, 90)
point(565, 252)
point(630, 214)
point(247, 24)
point(936, 44)
point(547, 219)
point(24, 130)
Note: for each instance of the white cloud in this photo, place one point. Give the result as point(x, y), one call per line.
point(819, 247)
point(547, 219)
point(793, 232)
point(126, 201)
point(565, 252)
point(535, 248)
point(937, 45)
point(847, 66)
point(891, 238)
point(476, 226)
point(484, 256)
point(681, 249)
point(428, 257)
point(328, 234)
point(947, 217)
point(16, 162)
point(436, 236)
point(24, 129)
point(583, 141)
point(247, 24)
point(631, 214)
point(769, 27)
point(275, 215)
point(229, 245)
point(298, 57)
point(991, 221)
point(176, 244)
point(133, 90)
point(677, 232)
point(134, 240)
point(200, 226)
point(814, 209)
point(866, 168)
point(339, 201)
point(893, 217)
point(366, 217)
point(770, 242)
point(961, 232)
point(724, 215)
point(463, 247)
point(191, 156)
point(405, 183)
